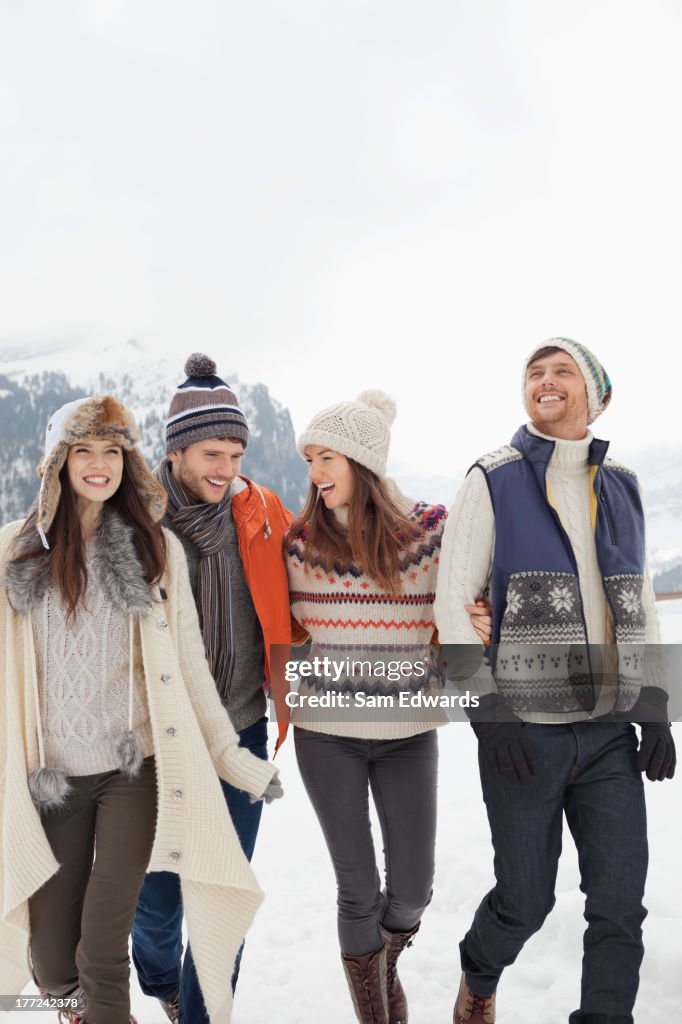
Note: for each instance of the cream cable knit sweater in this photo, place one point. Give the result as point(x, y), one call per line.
point(83, 680)
point(193, 739)
point(469, 544)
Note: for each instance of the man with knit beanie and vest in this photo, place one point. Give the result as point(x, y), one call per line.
point(555, 530)
point(232, 532)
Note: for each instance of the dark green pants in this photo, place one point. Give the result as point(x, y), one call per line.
point(81, 918)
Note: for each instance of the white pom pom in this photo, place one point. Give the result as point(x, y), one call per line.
point(200, 365)
point(381, 401)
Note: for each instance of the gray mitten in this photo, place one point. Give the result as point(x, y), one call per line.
point(273, 791)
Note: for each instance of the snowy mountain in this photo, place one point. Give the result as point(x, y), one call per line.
point(33, 385)
point(660, 473)
point(669, 580)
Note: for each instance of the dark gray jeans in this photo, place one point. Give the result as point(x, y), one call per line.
point(402, 775)
point(588, 773)
point(81, 918)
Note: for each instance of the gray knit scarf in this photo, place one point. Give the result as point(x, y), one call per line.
point(205, 525)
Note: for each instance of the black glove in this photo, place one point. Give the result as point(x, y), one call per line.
point(656, 755)
point(504, 744)
point(651, 706)
point(459, 662)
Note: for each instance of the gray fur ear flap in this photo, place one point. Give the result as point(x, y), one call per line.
point(129, 752)
point(49, 788)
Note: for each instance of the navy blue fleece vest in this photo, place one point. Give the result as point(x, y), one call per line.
point(535, 589)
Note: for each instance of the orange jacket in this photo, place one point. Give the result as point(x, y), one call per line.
point(261, 522)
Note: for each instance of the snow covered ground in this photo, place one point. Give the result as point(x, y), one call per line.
point(291, 972)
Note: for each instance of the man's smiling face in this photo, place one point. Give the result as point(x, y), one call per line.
point(556, 396)
point(208, 468)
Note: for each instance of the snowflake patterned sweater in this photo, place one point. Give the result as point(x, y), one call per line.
point(593, 507)
point(378, 645)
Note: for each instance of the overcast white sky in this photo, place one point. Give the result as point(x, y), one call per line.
point(328, 196)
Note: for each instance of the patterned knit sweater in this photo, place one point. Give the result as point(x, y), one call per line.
point(377, 644)
point(83, 671)
point(469, 545)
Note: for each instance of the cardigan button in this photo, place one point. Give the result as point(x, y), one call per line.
point(162, 624)
point(177, 794)
point(166, 677)
point(174, 856)
point(170, 731)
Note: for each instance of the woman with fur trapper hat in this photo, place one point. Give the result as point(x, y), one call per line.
point(111, 732)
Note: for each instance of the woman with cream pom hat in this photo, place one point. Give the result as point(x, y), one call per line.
point(362, 562)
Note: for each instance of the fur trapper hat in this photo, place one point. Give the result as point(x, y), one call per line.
point(92, 418)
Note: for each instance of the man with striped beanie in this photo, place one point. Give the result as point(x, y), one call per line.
point(232, 531)
point(204, 406)
point(553, 530)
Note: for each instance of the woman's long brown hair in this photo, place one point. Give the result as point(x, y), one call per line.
point(66, 555)
point(377, 531)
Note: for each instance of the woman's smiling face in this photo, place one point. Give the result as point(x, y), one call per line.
point(95, 468)
point(331, 473)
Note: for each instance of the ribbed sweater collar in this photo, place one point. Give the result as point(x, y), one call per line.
point(568, 455)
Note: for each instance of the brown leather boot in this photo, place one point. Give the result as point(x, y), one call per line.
point(473, 1009)
point(366, 977)
point(395, 943)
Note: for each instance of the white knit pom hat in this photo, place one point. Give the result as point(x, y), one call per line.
point(359, 430)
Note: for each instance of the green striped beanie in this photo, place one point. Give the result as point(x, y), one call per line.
point(596, 378)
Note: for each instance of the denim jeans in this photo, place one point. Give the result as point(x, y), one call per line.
point(157, 931)
point(588, 772)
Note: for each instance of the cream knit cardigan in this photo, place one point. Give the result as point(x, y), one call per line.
point(193, 739)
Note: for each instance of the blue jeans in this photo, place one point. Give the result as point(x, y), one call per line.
point(587, 772)
point(157, 931)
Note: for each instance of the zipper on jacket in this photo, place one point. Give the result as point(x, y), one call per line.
point(607, 516)
point(609, 603)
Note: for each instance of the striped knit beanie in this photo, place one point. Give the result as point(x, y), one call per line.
point(359, 430)
point(203, 407)
point(596, 378)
